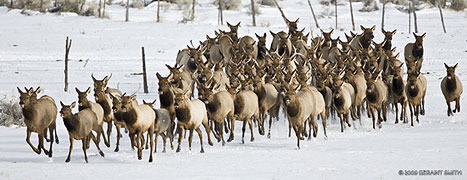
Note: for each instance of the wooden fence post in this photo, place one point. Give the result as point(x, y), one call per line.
point(253, 12)
point(220, 16)
point(282, 12)
point(414, 17)
point(67, 51)
point(145, 79)
point(158, 9)
point(441, 14)
point(382, 18)
point(127, 18)
point(410, 19)
point(335, 5)
point(313, 13)
point(351, 15)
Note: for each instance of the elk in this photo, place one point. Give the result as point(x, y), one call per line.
point(268, 100)
point(415, 90)
point(326, 38)
point(246, 108)
point(162, 125)
point(167, 98)
point(38, 117)
point(299, 108)
point(293, 25)
point(84, 103)
point(414, 51)
point(343, 98)
point(281, 43)
point(376, 97)
point(34, 99)
point(451, 86)
point(398, 92)
point(363, 41)
point(358, 82)
point(190, 116)
point(219, 105)
point(388, 38)
point(102, 95)
point(234, 31)
point(79, 127)
point(119, 121)
point(139, 118)
point(248, 46)
point(262, 49)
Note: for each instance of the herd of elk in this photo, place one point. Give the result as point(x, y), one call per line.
point(239, 79)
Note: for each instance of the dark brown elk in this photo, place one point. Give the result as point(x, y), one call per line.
point(38, 117)
point(182, 79)
point(234, 31)
point(415, 91)
point(268, 97)
point(327, 38)
point(293, 25)
point(364, 41)
point(162, 125)
point(398, 92)
point(79, 127)
point(167, 98)
point(414, 51)
point(451, 86)
point(139, 119)
point(388, 38)
point(191, 114)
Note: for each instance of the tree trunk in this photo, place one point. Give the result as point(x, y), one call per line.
point(99, 10)
point(67, 51)
point(103, 11)
point(351, 15)
point(127, 15)
point(158, 9)
point(414, 17)
point(410, 18)
point(193, 10)
point(221, 16)
point(253, 12)
point(282, 12)
point(382, 18)
point(313, 13)
point(41, 4)
point(441, 14)
point(335, 5)
point(145, 79)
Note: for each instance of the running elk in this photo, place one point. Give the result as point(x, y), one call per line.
point(452, 89)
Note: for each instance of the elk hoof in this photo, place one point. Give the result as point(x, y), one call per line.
point(178, 149)
point(202, 151)
point(230, 139)
point(57, 141)
point(269, 135)
point(210, 143)
point(116, 149)
point(252, 139)
point(67, 160)
point(243, 141)
point(50, 154)
point(140, 158)
point(150, 159)
point(101, 153)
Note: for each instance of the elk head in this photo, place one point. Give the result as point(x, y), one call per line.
point(419, 40)
point(450, 71)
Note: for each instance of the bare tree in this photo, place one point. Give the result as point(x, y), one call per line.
point(158, 9)
point(441, 15)
point(335, 5)
point(313, 13)
point(351, 15)
point(127, 11)
point(382, 18)
point(193, 10)
point(220, 16)
point(253, 12)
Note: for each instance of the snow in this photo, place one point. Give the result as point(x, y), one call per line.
point(32, 52)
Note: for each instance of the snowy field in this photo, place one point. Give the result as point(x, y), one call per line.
point(32, 53)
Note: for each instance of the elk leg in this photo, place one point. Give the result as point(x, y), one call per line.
point(359, 113)
point(56, 135)
point(190, 138)
point(315, 126)
point(69, 150)
point(226, 126)
point(449, 108)
point(41, 143)
point(385, 113)
point(347, 119)
point(51, 131)
point(215, 130)
point(380, 118)
point(200, 134)
point(371, 111)
point(222, 132)
point(397, 113)
point(458, 104)
point(297, 133)
point(232, 127)
point(305, 133)
point(85, 142)
point(180, 137)
point(270, 124)
point(411, 113)
point(94, 139)
point(171, 138)
point(243, 130)
point(290, 128)
point(164, 140)
point(252, 138)
point(139, 144)
point(417, 111)
point(208, 131)
point(323, 119)
point(118, 138)
point(147, 141)
point(106, 139)
point(132, 140)
point(341, 121)
point(151, 141)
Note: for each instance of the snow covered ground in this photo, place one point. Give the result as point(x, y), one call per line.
point(32, 52)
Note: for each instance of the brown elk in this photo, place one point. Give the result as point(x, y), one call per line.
point(343, 98)
point(182, 79)
point(415, 91)
point(398, 92)
point(162, 125)
point(79, 127)
point(34, 100)
point(247, 46)
point(268, 100)
point(139, 119)
point(234, 31)
point(451, 86)
point(84, 103)
point(293, 25)
point(246, 109)
point(364, 41)
point(376, 97)
point(326, 38)
point(190, 116)
point(167, 98)
point(38, 117)
point(414, 51)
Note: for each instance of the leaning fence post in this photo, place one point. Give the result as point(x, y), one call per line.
point(145, 79)
point(67, 51)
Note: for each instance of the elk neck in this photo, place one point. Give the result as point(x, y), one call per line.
point(130, 117)
point(292, 108)
point(183, 113)
point(71, 122)
point(417, 52)
point(166, 98)
point(398, 86)
point(451, 84)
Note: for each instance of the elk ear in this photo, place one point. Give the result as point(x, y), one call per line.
point(397, 55)
point(168, 66)
point(88, 90)
point(423, 35)
point(272, 33)
point(228, 24)
point(393, 50)
point(238, 24)
point(257, 36)
point(72, 104)
point(373, 28)
point(93, 78)
point(287, 20)
point(414, 34)
point(133, 97)
point(394, 32)
point(144, 102)
point(455, 66)
point(382, 30)
point(446, 66)
point(19, 90)
point(401, 65)
point(61, 103)
point(77, 90)
point(264, 35)
point(296, 21)
point(38, 90)
point(158, 76)
point(330, 32)
point(363, 28)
